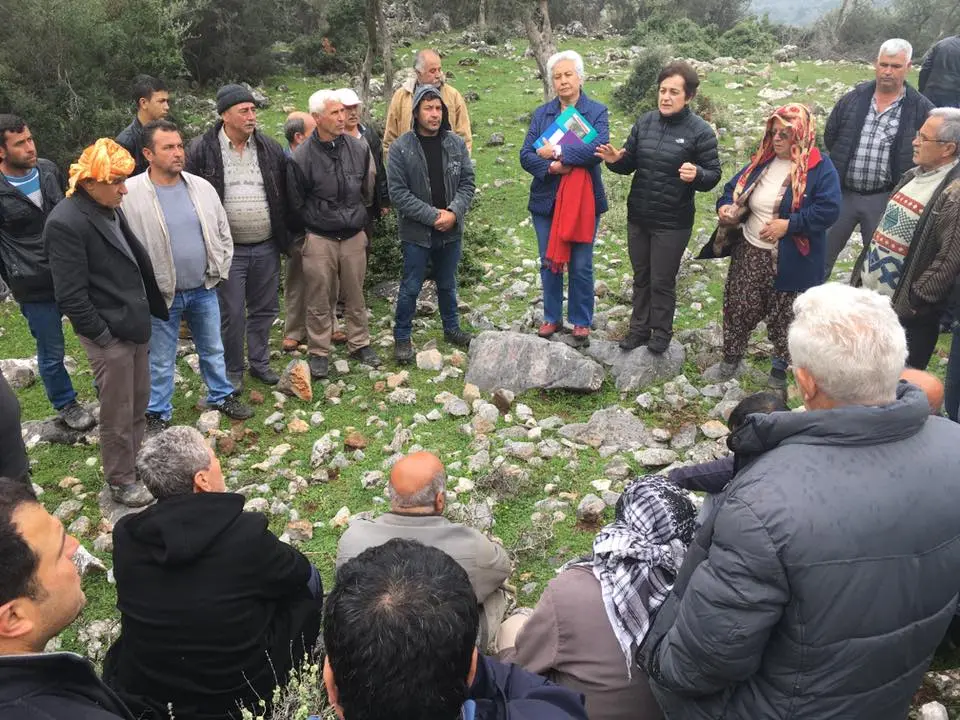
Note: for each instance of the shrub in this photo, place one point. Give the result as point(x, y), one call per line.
point(638, 94)
point(339, 45)
point(749, 38)
point(684, 37)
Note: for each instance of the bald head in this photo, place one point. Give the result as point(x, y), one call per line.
point(418, 481)
point(298, 127)
point(930, 384)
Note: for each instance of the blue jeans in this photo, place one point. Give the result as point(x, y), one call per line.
point(46, 326)
point(952, 382)
point(444, 259)
point(580, 272)
point(201, 309)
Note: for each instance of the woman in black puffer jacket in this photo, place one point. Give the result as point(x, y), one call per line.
point(673, 154)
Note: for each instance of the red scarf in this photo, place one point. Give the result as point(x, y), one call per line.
point(574, 218)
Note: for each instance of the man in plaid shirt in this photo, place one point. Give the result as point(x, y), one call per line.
point(869, 136)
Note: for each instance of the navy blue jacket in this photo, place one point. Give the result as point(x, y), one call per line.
point(543, 188)
point(508, 692)
point(820, 209)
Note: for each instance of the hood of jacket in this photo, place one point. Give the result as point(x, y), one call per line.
point(419, 94)
point(508, 692)
point(179, 529)
point(855, 425)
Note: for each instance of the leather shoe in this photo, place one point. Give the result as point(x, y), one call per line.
point(267, 377)
point(133, 495)
point(319, 366)
point(634, 340)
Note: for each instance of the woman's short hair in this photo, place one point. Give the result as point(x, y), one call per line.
point(571, 55)
point(691, 81)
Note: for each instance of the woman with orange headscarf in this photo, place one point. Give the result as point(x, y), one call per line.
point(773, 216)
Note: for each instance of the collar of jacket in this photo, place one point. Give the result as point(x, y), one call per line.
point(553, 107)
point(7, 189)
point(677, 117)
point(853, 425)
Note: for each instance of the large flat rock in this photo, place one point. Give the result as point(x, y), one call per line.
point(609, 426)
point(517, 361)
point(640, 368)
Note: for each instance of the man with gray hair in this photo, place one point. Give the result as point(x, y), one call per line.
point(868, 136)
point(914, 255)
point(417, 493)
point(214, 609)
point(825, 578)
point(428, 70)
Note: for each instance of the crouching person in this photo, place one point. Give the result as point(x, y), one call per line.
point(399, 631)
point(214, 609)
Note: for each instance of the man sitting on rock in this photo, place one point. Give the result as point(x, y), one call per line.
point(399, 632)
point(214, 609)
point(40, 596)
point(417, 498)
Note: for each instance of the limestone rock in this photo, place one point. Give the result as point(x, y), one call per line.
point(86, 562)
point(685, 437)
point(456, 407)
point(402, 396)
point(112, 511)
point(640, 368)
point(518, 362)
point(371, 479)
point(295, 380)
point(80, 526)
point(298, 426)
point(341, 366)
point(53, 430)
point(209, 420)
point(355, 441)
point(341, 519)
point(321, 451)
point(103, 543)
point(430, 360)
point(300, 530)
point(714, 429)
point(19, 373)
point(258, 504)
point(68, 510)
point(933, 711)
point(470, 394)
point(397, 379)
point(655, 457)
point(609, 426)
point(503, 399)
point(590, 509)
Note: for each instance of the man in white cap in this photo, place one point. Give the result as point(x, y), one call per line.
point(353, 126)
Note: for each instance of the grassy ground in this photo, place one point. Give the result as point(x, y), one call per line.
point(508, 91)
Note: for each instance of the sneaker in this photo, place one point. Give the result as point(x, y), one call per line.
point(339, 337)
point(319, 367)
point(722, 371)
point(658, 344)
point(634, 340)
point(267, 377)
point(458, 337)
point(289, 344)
point(777, 380)
point(76, 417)
point(547, 330)
point(236, 379)
point(581, 336)
point(155, 424)
point(367, 356)
point(403, 352)
point(132, 495)
point(234, 409)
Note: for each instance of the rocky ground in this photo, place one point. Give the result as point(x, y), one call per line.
point(538, 437)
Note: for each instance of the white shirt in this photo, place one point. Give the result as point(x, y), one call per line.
point(763, 202)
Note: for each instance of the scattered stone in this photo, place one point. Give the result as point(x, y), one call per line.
point(496, 139)
point(256, 397)
point(655, 457)
point(464, 485)
point(316, 419)
point(481, 425)
point(333, 392)
point(503, 399)
point(341, 366)
point(322, 449)
point(609, 426)
point(209, 420)
point(456, 407)
point(590, 509)
point(661, 435)
point(397, 379)
point(298, 426)
point(295, 380)
point(521, 450)
point(103, 543)
point(600, 485)
point(273, 418)
point(478, 462)
point(933, 711)
point(226, 445)
point(371, 479)
point(68, 510)
point(112, 511)
point(20, 374)
point(617, 469)
point(610, 497)
point(638, 368)
point(341, 519)
point(550, 505)
point(471, 393)
point(685, 437)
point(430, 360)
point(86, 562)
point(80, 526)
point(69, 482)
point(53, 430)
point(402, 396)
point(355, 441)
point(714, 429)
point(519, 362)
point(434, 415)
point(478, 514)
point(529, 589)
point(300, 530)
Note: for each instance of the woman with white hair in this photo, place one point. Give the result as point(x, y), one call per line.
point(566, 193)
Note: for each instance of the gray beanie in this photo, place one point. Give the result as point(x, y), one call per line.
point(230, 95)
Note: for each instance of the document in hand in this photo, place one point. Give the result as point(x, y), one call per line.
point(570, 128)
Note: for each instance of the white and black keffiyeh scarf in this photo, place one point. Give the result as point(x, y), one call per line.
point(637, 556)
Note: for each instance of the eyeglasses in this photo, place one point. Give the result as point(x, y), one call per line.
point(919, 136)
point(784, 134)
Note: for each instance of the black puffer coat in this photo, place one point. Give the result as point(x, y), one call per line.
point(658, 145)
point(940, 74)
point(845, 125)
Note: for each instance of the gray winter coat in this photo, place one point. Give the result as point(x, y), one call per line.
point(409, 181)
point(826, 577)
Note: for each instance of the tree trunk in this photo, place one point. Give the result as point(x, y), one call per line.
point(386, 51)
point(482, 17)
point(370, 20)
point(536, 21)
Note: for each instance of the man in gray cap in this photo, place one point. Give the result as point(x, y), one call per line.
point(248, 170)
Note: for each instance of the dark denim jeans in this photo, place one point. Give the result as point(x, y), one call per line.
point(444, 260)
point(579, 278)
point(46, 326)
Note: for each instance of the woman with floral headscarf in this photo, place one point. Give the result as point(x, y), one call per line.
point(774, 215)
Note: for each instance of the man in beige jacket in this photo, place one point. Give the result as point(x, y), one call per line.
point(429, 71)
point(417, 493)
point(182, 224)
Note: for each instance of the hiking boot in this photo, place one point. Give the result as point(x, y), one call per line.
point(547, 330)
point(581, 336)
point(319, 366)
point(289, 344)
point(366, 356)
point(234, 409)
point(76, 417)
point(458, 337)
point(133, 495)
point(403, 352)
point(722, 371)
point(155, 424)
point(634, 340)
point(236, 379)
point(777, 380)
point(339, 337)
point(267, 377)
point(658, 344)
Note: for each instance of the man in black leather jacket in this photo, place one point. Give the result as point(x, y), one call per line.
point(940, 73)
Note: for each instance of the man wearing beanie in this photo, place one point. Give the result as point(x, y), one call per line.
point(104, 283)
point(248, 171)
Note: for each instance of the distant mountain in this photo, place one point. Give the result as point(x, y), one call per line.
point(790, 12)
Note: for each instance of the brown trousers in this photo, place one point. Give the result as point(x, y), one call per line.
point(749, 297)
point(122, 372)
point(333, 268)
point(294, 298)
